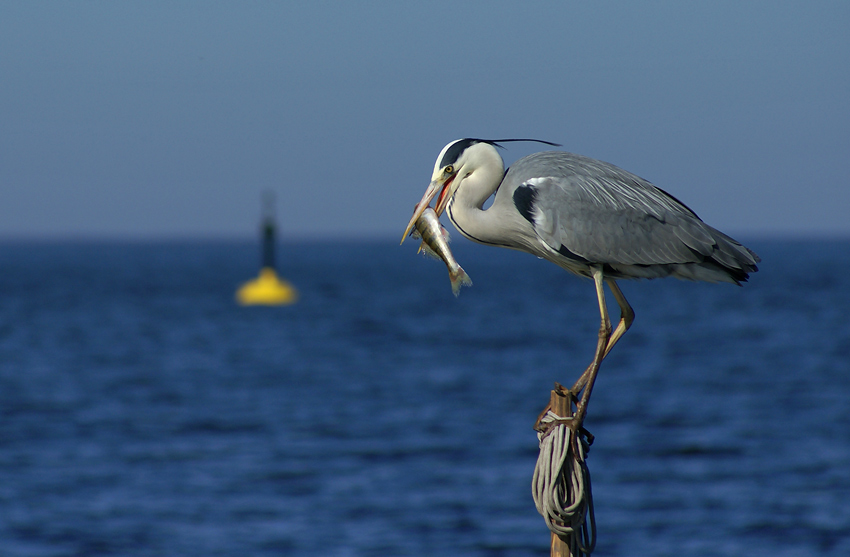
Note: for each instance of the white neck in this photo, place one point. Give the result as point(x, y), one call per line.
point(476, 186)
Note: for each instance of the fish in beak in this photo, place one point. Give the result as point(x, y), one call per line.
point(435, 187)
point(435, 243)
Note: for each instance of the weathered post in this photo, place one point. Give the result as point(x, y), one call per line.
point(560, 405)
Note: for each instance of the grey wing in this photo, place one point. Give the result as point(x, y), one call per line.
point(598, 213)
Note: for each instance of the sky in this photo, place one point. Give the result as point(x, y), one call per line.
point(158, 120)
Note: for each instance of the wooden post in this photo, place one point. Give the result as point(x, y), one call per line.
point(559, 547)
point(560, 405)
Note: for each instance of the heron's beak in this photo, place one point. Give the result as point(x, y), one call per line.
point(433, 188)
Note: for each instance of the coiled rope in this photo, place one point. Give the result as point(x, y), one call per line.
point(561, 483)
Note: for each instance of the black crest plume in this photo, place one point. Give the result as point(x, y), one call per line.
point(495, 142)
point(451, 155)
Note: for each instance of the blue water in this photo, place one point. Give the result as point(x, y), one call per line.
point(142, 412)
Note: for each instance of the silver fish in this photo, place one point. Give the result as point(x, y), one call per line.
point(435, 243)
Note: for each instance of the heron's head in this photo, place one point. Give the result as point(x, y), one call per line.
point(456, 163)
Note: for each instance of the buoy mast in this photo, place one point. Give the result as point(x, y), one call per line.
point(267, 289)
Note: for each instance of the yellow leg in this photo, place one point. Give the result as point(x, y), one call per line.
point(607, 340)
point(627, 315)
point(598, 278)
point(589, 376)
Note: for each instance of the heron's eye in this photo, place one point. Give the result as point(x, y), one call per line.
point(449, 169)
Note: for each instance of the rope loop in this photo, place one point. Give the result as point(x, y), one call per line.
point(561, 483)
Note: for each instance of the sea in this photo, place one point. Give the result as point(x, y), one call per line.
point(144, 413)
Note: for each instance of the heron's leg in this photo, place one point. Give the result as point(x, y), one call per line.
point(589, 376)
point(627, 315)
point(604, 329)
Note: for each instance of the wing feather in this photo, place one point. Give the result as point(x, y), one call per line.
point(607, 215)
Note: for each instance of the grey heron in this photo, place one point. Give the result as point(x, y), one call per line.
point(587, 216)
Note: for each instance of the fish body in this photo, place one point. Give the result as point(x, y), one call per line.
point(435, 243)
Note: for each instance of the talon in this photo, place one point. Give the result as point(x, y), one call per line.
point(537, 423)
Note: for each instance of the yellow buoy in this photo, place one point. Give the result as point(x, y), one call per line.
point(266, 290)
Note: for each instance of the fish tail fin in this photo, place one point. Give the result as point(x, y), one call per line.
point(459, 278)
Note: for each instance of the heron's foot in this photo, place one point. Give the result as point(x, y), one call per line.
point(546, 427)
point(576, 426)
point(538, 423)
point(563, 391)
point(581, 411)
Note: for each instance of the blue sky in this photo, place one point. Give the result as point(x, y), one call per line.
point(168, 119)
